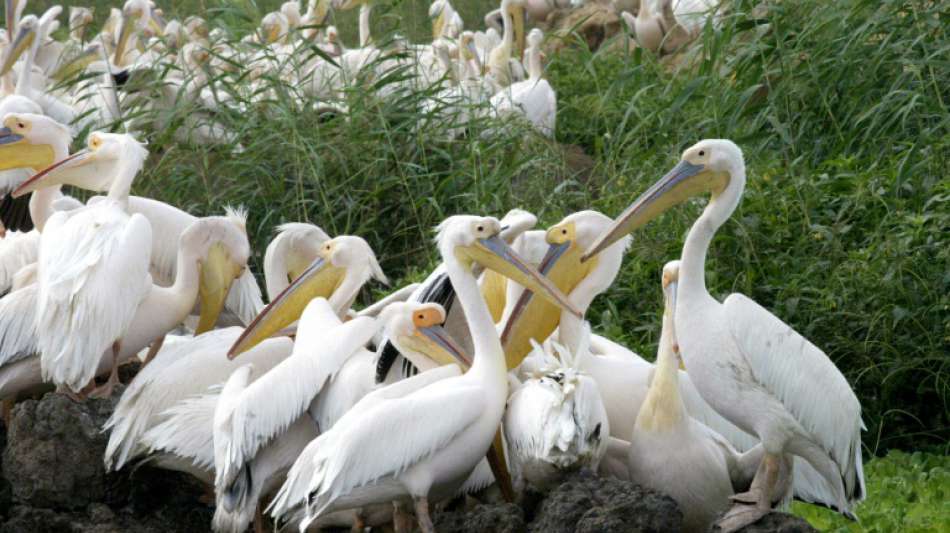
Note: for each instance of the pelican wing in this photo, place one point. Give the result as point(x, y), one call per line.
point(186, 430)
point(297, 487)
point(271, 404)
point(17, 330)
point(367, 446)
point(93, 273)
point(805, 381)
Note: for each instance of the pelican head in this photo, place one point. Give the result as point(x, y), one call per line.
point(222, 249)
point(670, 281)
point(416, 331)
point(291, 11)
point(437, 14)
point(477, 240)
point(94, 168)
point(79, 19)
point(274, 27)
point(134, 12)
point(345, 5)
point(196, 27)
point(709, 166)
point(567, 240)
point(30, 141)
point(24, 39)
point(339, 260)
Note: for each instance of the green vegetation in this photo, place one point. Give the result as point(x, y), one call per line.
point(844, 231)
point(906, 493)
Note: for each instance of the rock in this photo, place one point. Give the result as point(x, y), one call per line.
point(776, 522)
point(54, 454)
point(585, 503)
point(494, 518)
point(54, 463)
point(6, 494)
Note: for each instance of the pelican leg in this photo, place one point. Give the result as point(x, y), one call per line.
point(756, 502)
point(358, 523)
point(82, 395)
point(105, 390)
point(422, 515)
point(258, 521)
point(402, 521)
point(499, 467)
point(7, 411)
point(153, 350)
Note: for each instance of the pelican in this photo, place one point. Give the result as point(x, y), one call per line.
point(93, 263)
point(261, 427)
point(400, 441)
point(664, 28)
point(79, 19)
point(38, 141)
point(504, 69)
point(533, 98)
point(754, 369)
point(555, 421)
point(189, 368)
point(672, 452)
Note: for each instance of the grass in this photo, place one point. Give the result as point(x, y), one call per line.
point(907, 492)
point(844, 230)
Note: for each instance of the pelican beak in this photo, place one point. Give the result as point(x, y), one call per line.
point(495, 254)
point(517, 17)
point(320, 279)
point(79, 63)
point(11, 13)
point(125, 32)
point(218, 272)
point(156, 23)
point(271, 33)
point(669, 311)
point(23, 41)
point(80, 169)
point(320, 12)
point(431, 339)
point(534, 318)
point(16, 152)
point(683, 182)
point(439, 23)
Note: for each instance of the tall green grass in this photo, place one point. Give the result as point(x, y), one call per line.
point(844, 230)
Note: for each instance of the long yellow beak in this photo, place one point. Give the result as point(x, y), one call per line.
point(10, 13)
point(684, 181)
point(75, 169)
point(79, 63)
point(321, 279)
point(535, 318)
point(517, 17)
point(438, 345)
point(125, 32)
point(16, 152)
point(438, 24)
point(495, 254)
point(218, 273)
point(23, 41)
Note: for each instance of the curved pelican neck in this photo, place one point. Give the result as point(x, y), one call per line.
point(129, 166)
point(343, 297)
point(489, 358)
point(181, 296)
point(720, 208)
point(41, 200)
point(663, 407)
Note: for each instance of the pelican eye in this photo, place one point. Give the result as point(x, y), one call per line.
point(702, 153)
point(21, 125)
point(564, 231)
point(421, 316)
point(480, 229)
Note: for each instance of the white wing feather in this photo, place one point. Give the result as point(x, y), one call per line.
point(186, 431)
point(17, 325)
point(805, 381)
point(17, 250)
point(370, 441)
point(93, 273)
point(272, 403)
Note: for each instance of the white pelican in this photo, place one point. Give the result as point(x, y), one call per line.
point(532, 98)
point(555, 421)
point(420, 438)
point(503, 69)
point(261, 427)
point(93, 263)
point(189, 368)
point(672, 452)
point(754, 369)
point(79, 19)
point(660, 27)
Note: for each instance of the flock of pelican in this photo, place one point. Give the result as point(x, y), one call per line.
point(486, 374)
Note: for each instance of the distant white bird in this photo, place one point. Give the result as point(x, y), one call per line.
point(533, 98)
point(399, 441)
point(555, 422)
point(659, 26)
point(750, 366)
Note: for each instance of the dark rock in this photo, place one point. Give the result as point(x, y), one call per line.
point(494, 518)
point(54, 454)
point(776, 522)
point(6, 494)
point(587, 503)
point(54, 463)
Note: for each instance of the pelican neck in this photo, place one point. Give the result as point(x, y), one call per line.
point(489, 359)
